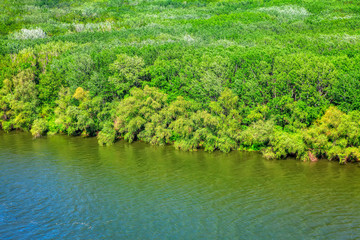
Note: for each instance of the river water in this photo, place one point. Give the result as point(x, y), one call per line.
point(63, 187)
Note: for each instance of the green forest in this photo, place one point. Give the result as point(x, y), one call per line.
point(280, 76)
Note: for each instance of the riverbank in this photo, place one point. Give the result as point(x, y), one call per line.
point(333, 137)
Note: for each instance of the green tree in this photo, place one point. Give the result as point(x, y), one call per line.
point(19, 101)
point(127, 72)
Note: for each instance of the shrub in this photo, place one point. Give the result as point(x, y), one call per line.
point(39, 127)
point(284, 144)
point(29, 34)
point(107, 135)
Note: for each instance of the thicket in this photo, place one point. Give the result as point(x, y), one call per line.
point(278, 76)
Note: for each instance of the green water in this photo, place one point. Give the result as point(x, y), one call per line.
point(70, 188)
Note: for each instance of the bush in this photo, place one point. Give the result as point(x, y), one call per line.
point(107, 135)
point(29, 34)
point(283, 144)
point(39, 127)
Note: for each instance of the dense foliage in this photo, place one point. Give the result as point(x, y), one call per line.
point(278, 76)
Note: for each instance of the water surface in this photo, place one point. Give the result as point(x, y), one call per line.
point(63, 187)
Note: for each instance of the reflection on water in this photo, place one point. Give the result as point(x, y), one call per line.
point(69, 188)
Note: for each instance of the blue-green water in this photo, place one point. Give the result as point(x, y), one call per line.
point(69, 188)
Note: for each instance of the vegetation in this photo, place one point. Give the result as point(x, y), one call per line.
point(278, 76)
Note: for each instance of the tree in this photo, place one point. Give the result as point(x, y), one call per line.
point(19, 101)
point(126, 73)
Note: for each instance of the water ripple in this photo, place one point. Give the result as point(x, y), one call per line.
point(69, 188)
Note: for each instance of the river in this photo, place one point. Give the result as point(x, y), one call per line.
point(62, 187)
